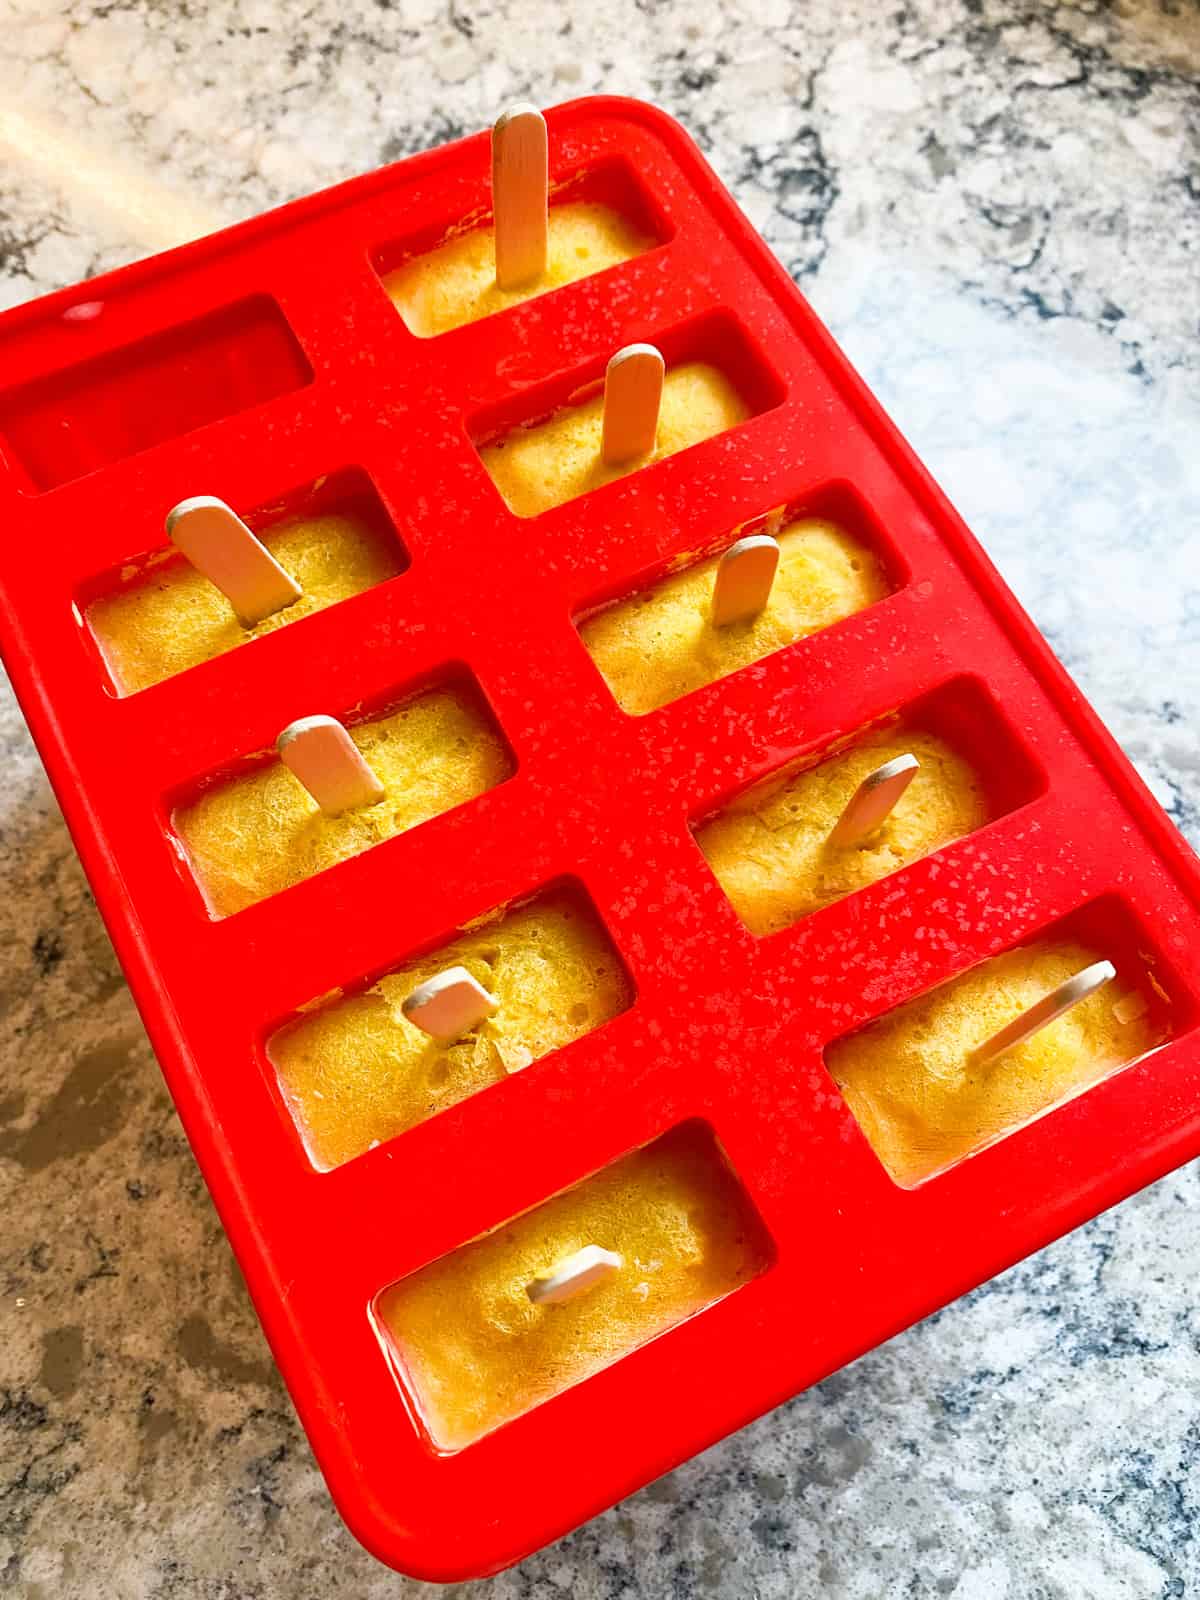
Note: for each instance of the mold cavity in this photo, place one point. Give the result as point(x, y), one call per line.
point(156, 615)
point(770, 847)
point(476, 1352)
point(89, 415)
point(252, 832)
point(356, 1072)
point(446, 278)
point(543, 449)
point(922, 1100)
point(658, 643)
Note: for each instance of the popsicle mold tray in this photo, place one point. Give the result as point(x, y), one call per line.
point(267, 365)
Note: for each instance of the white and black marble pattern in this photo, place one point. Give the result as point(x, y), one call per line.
point(996, 206)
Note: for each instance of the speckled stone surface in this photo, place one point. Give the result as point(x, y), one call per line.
point(997, 208)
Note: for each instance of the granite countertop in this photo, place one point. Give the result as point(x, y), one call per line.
point(996, 206)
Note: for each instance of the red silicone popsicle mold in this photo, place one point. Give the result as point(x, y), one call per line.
point(268, 357)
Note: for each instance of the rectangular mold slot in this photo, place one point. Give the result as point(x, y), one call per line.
point(251, 830)
point(354, 1072)
point(444, 277)
point(87, 416)
point(769, 846)
point(541, 448)
point(654, 643)
point(155, 616)
point(924, 1105)
point(475, 1352)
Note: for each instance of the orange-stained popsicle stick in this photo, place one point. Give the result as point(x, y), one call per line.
point(579, 1272)
point(1045, 1011)
point(633, 385)
point(745, 574)
point(322, 755)
point(874, 800)
point(220, 546)
point(449, 1004)
point(520, 171)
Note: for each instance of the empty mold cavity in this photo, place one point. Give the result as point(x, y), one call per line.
point(355, 1072)
point(543, 449)
point(253, 831)
point(156, 615)
point(659, 643)
point(770, 847)
point(476, 1352)
point(444, 277)
point(924, 1104)
point(89, 415)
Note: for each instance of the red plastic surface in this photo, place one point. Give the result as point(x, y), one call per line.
point(725, 1027)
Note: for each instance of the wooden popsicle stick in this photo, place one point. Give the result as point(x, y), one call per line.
point(520, 172)
point(633, 385)
point(1044, 1011)
point(873, 801)
point(745, 574)
point(220, 546)
point(322, 755)
point(449, 1004)
point(583, 1270)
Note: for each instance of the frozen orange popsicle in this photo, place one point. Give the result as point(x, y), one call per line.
point(356, 1072)
point(478, 1351)
point(771, 849)
point(255, 834)
point(924, 1104)
point(551, 462)
point(661, 643)
point(166, 617)
point(456, 283)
